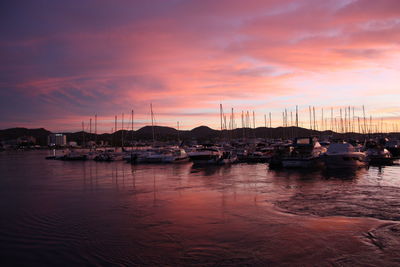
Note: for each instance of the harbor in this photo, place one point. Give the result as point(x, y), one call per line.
point(205, 197)
point(200, 133)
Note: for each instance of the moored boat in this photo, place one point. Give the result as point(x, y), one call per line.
point(74, 156)
point(303, 153)
point(162, 155)
point(344, 155)
point(377, 154)
point(205, 155)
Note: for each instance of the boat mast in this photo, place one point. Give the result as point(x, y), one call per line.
point(90, 132)
point(243, 132)
point(95, 130)
point(225, 128)
point(341, 122)
point(132, 131)
point(322, 122)
point(233, 124)
point(314, 118)
point(115, 131)
point(152, 122)
point(270, 124)
point(179, 139)
point(365, 122)
point(220, 115)
point(122, 133)
point(283, 124)
point(291, 118)
point(270, 120)
point(291, 124)
point(265, 125)
point(83, 134)
point(349, 119)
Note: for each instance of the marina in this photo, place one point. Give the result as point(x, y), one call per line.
point(227, 199)
point(200, 133)
point(304, 152)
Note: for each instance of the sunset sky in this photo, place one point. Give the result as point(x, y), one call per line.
point(64, 61)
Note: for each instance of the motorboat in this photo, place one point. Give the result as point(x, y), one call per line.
point(344, 155)
point(303, 153)
point(228, 157)
point(206, 155)
point(109, 155)
point(175, 156)
point(394, 147)
point(73, 156)
point(377, 154)
point(163, 155)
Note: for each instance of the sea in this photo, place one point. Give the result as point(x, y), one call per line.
point(58, 213)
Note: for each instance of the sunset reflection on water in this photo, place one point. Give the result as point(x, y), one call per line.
point(118, 213)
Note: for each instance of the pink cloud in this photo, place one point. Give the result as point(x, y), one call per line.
point(194, 54)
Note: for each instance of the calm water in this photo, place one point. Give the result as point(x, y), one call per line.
point(89, 213)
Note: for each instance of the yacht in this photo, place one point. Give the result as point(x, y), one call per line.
point(303, 153)
point(342, 155)
point(394, 147)
point(228, 157)
point(166, 155)
point(73, 156)
point(377, 154)
point(109, 155)
point(206, 155)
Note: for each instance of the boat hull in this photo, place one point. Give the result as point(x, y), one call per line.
point(344, 161)
point(381, 161)
point(205, 159)
point(301, 162)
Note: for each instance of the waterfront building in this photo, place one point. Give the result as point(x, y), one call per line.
point(57, 139)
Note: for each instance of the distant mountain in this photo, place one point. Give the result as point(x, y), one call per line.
point(158, 130)
point(203, 132)
point(162, 133)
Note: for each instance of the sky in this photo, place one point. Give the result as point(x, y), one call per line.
point(62, 62)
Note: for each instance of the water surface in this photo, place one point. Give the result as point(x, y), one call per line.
point(98, 213)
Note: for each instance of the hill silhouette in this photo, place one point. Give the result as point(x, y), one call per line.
point(13, 133)
point(163, 133)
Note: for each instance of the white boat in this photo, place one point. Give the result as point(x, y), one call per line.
point(176, 155)
point(73, 156)
point(228, 157)
point(206, 155)
point(133, 155)
point(303, 153)
point(167, 155)
point(344, 155)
